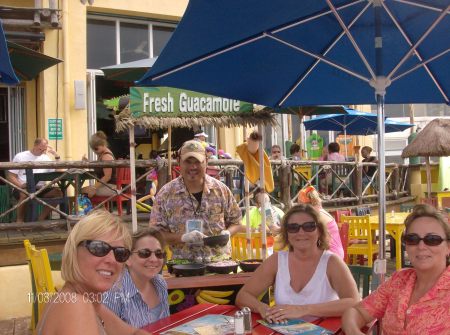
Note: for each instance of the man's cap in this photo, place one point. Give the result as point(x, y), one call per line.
point(194, 149)
point(201, 134)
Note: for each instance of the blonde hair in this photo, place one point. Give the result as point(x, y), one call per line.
point(91, 227)
point(323, 242)
point(98, 139)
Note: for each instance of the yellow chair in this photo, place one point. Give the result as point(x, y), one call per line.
point(360, 234)
point(239, 246)
point(42, 281)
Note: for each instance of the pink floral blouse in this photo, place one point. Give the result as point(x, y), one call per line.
point(429, 315)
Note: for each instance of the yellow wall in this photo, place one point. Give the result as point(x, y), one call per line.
point(46, 97)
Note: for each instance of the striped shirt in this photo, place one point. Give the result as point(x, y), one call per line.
point(125, 300)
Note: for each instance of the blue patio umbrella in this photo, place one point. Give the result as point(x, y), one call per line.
point(282, 53)
point(7, 74)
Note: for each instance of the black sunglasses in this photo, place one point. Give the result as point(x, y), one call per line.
point(295, 227)
point(431, 240)
point(101, 249)
point(146, 253)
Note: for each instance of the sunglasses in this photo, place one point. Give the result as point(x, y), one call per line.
point(431, 240)
point(295, 227)
point(101, 249)
point(146, 253)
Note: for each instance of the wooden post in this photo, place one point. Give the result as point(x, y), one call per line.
point(358, 182)
point(396, 181)
point(285, 185)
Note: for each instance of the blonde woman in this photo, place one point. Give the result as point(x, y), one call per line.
point(99, 144)
point(309, 195)
point(93, 260)
point(310, 281)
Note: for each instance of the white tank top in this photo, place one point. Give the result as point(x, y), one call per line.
point(317, 290)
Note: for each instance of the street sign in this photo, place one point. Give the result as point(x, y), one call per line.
point(55, 129)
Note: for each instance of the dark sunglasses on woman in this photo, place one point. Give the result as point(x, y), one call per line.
point(146, 253)
point(431, 240)
point(295, 227)
point(101, 249)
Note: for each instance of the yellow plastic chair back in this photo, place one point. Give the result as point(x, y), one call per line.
point(42, 281)
point(360, 233)
point(239, 246)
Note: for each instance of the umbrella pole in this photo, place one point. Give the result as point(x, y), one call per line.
point(247, 207)
point(427, 162)
point(262, 183)
point(345, 141)
point(169, 151)
point(133, 181)
point(380, 264)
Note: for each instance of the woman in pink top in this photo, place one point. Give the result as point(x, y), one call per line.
point(414, 301)
point(309, 195)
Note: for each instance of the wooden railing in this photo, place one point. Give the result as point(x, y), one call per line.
point(343, 186)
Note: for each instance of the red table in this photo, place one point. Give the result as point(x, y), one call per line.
point(197, 311)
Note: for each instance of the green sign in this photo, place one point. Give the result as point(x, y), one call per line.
point(55, 129)
point(172, 102)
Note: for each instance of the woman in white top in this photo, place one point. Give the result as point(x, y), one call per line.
point(309, 280)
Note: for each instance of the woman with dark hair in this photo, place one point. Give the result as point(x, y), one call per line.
point(310, 281)
point(99, 144)
point(140, 297)
point(417, 300)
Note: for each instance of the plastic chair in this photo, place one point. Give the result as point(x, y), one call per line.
point(123, 178)
point(430, 201)
point(338, 213)
point(239, 246)
point(360, 230)
point(362, 276)
point(343, 234)
point(42, 281)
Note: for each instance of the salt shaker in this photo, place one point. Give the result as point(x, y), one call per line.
point(239, 323)
point(247, 320)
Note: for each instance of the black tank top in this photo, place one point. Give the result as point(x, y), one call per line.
point(99, 171)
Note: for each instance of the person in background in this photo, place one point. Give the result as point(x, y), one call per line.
point(18, 177)
point(309, 195)
point(333, 153)
point(275, 152)
point(140, 296)
point(417, 300)
point(295, 151)
point(368, 171)
point(99, 144)
point(92, 261)
point(310, 281)
point(193, 206)
point(273, 214)
point(201, 137)
point(211, 153)
point(224, 155)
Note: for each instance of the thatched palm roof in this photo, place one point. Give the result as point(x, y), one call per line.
point(433, 140)
point(124, 119)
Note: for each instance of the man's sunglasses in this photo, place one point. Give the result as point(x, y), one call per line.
point(146, 253)
point(295, 227)
point(431, 240)
point(101, 249)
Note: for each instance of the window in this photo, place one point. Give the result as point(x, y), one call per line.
point(133, 42)
point(112, 41)
point(161, 36)
point(101, 43)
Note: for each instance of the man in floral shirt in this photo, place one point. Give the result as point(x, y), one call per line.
point(193, 206)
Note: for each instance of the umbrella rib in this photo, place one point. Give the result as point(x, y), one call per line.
point(408, 40)
point(352, 40)
point(421, 39)
point(319, 57)
point(317, 61)
point(416, 4)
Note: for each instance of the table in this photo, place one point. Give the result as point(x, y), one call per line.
point(194, 312)
point(395, 227)
point(71, 177)
point(208, 280)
